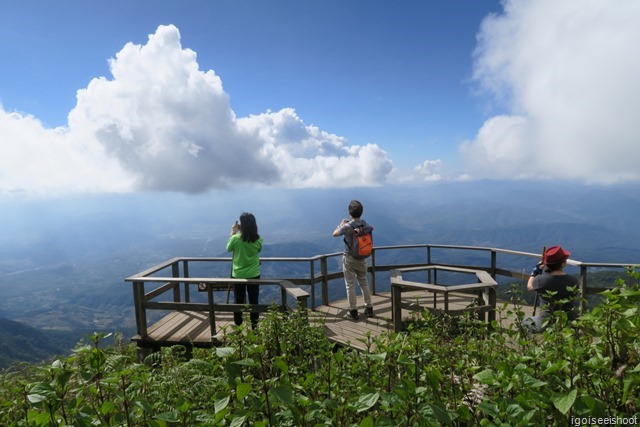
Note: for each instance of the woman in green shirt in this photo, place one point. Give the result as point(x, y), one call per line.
point(246, 244)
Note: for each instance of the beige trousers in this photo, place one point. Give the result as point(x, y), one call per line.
point(355, 269)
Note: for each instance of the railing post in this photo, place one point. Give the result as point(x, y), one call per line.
point(494, 263)
point(582, 281)
point(141, 314)
point(396, 302)
point(185, 270)
point(312, 280)
point(324, 268)
point(373, 271)
point(212, 316)
point(493, 302)
point(302, 303)
point(429, 263)
point(175, 271)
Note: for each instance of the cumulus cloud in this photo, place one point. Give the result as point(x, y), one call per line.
point(567, 73)
point(309, 157)
point(162, 124)
point(51, 161)
point(430, 170)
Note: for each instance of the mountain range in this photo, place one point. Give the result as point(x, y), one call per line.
point(63, 261)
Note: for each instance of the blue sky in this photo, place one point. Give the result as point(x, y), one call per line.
point(201, 95)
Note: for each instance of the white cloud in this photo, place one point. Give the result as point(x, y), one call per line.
point(309, 157)
point(162, 124)
point(50, 161)
point(430, 170)
point(568, 74)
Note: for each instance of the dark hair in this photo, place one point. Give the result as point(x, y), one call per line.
point(355, 209)
point(248, 228)
point(554, 267)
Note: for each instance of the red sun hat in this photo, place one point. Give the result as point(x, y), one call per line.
point(555, 255)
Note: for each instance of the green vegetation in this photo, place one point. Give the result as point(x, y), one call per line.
point(443, 371)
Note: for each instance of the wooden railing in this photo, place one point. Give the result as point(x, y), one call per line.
point(319, 274)
point(145, 301)
point(483, 288)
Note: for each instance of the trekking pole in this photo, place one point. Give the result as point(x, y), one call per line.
point(535, 299)
point(229, 284)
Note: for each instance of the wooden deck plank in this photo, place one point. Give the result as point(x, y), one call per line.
point(193, 327)
point(178, 326)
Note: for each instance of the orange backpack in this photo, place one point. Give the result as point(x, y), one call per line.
point(362, 242)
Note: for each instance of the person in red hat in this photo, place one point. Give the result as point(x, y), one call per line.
point(556, 288)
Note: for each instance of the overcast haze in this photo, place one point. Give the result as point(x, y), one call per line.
point(376, 94)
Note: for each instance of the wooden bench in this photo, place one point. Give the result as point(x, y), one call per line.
point(485, 289)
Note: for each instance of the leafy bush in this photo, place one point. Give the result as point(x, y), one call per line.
point(442, 371)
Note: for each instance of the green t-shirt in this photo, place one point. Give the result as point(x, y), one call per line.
point(246, 257)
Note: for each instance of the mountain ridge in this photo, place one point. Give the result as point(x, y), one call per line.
point(63, 262)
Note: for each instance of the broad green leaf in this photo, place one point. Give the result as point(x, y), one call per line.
point(489, 408)
point(281, 365)
point(530, 381)
point(594, 407)
point(170, 417)
point(555, 367)
point(145, 406)
point(378, 357)
point(405, 360)
point(385, 422)
point(40, 392)
point(285, 394)
point(36, 398)
point(221, 403)
point(367, 422)
point(514, 411)
point(225, 351)
point(246, 362)
point(442, 415)
point(242, 390)
point(485, 377)
point(564, 402)
point(331, 404)
point(182, 405)
point(366, 401)
point(107, 407)
point(237, 421)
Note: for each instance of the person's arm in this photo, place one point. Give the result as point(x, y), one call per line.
point(339, 231)
point(232, 242)
point(530, 283)
point(232, 239)
point(536, 271)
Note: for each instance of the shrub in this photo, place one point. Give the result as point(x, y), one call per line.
point(442, 371)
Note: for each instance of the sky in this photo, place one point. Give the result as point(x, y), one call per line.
point(203, 95)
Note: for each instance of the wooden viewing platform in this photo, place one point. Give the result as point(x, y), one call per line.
point(192, 328)
point(204, 324)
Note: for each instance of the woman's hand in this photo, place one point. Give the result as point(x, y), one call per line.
point(234, 228)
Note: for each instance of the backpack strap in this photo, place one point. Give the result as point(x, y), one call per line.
point(353, 227)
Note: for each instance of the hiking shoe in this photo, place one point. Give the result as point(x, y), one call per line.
point(352, 314)
point(368, 311)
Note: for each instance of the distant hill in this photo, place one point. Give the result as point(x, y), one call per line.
point(20, 342)
point(63, 262)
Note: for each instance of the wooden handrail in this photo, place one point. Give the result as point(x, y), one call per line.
point(322, 275)
point(144, 301)
point(485, 290)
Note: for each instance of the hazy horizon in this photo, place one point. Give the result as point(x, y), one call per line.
point(63, 261)
point(290, 215)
